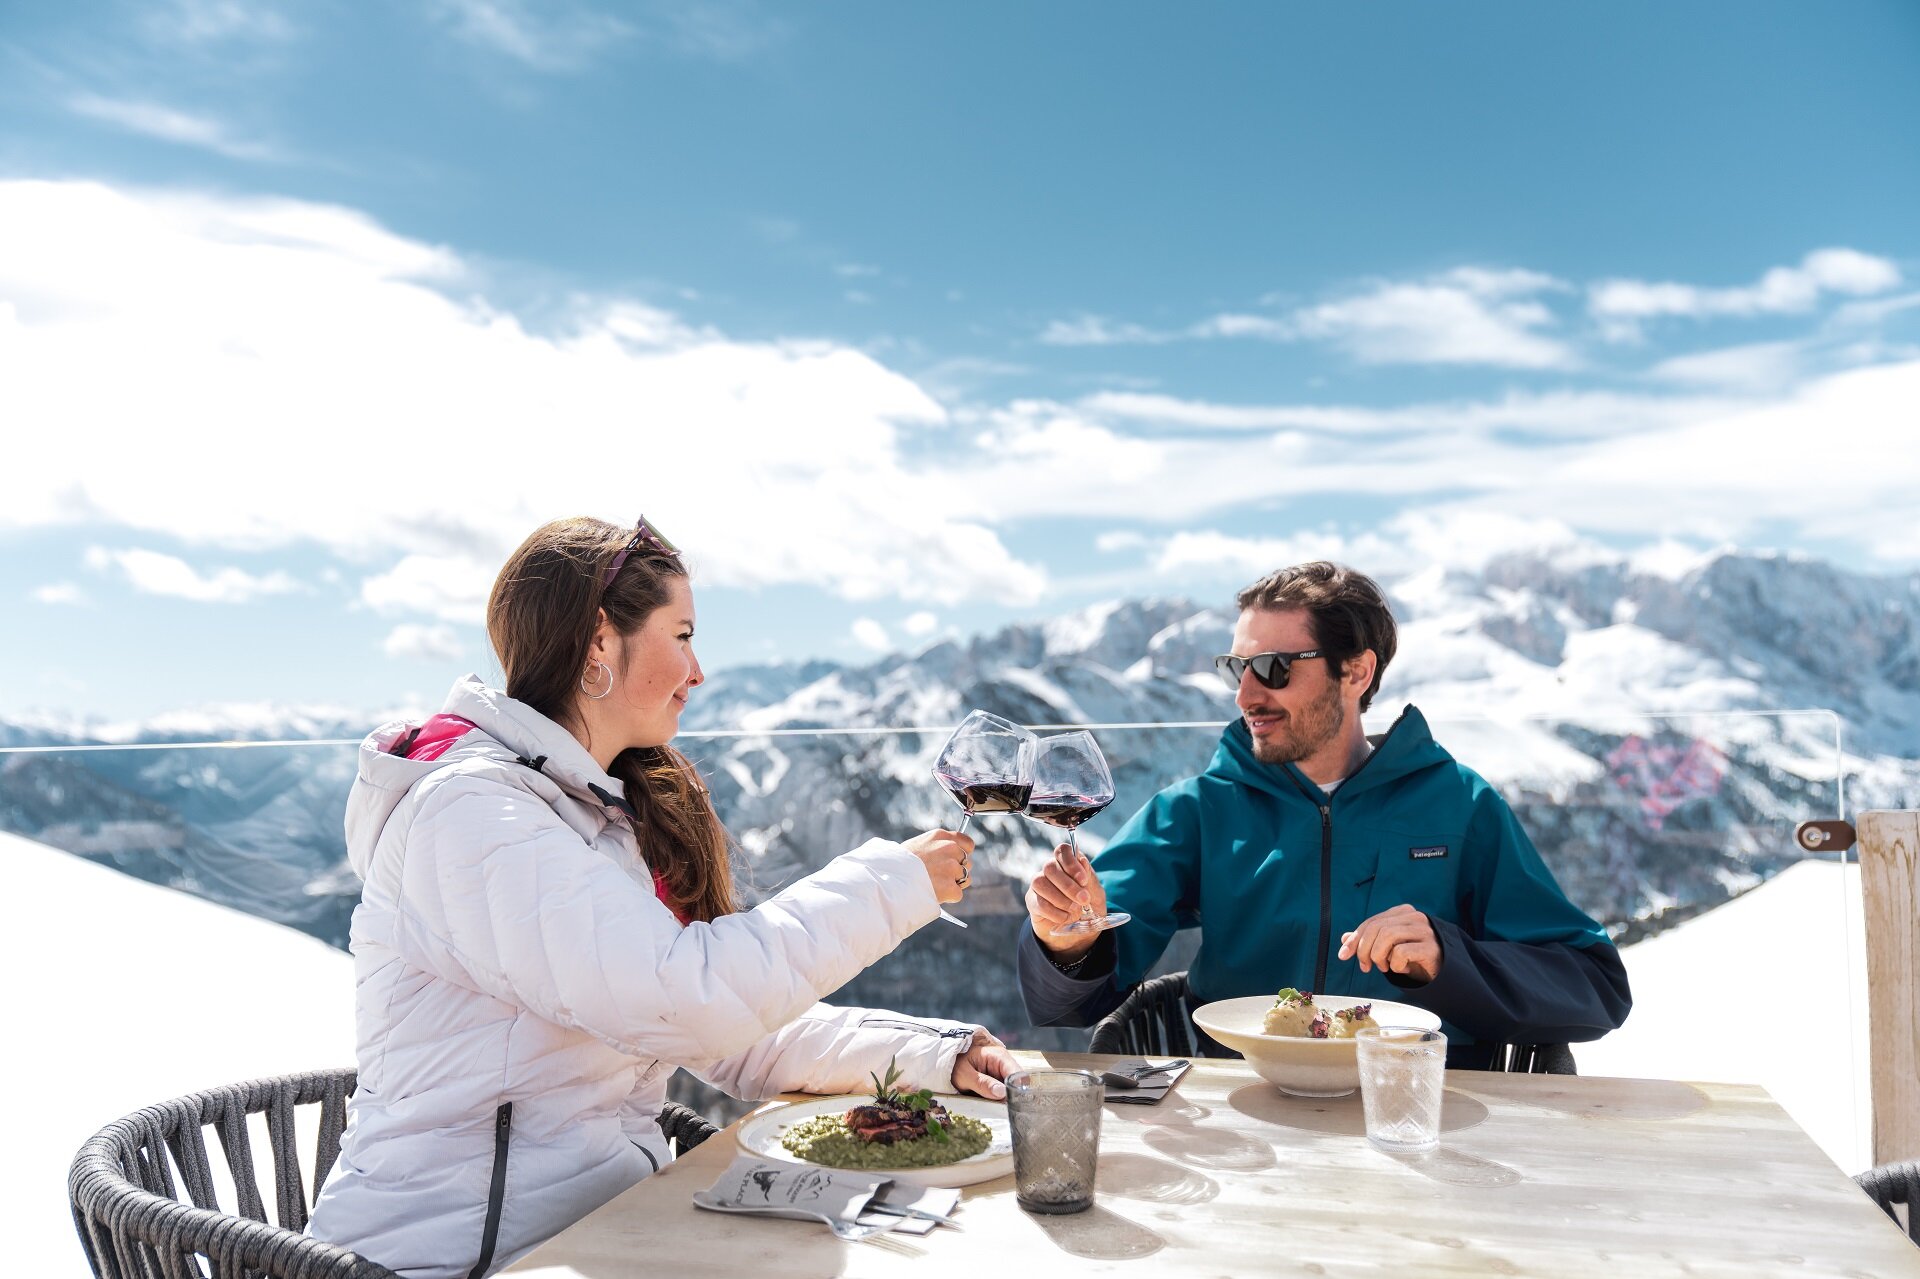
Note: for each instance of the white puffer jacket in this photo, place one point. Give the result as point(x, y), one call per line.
point(523, 996)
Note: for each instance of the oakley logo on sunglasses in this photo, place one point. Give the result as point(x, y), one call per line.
point(1271, 669)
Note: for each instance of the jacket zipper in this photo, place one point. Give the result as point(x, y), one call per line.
point(497, 1192)
point(1326, 855)
point(1326, 897)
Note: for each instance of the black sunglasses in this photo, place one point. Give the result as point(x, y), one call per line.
point(1271, 669)
point(644, 534)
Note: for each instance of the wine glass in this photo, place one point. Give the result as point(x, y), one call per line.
point(1071, 784)
point(987, 766)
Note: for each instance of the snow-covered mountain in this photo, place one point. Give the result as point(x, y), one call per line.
point(1625, 704)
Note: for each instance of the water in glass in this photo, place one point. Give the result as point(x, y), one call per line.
point(1402, 1077)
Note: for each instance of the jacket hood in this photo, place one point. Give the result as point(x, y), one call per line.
point(1405, 748)
point(504, 729)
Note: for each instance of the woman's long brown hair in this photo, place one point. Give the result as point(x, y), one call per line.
point(541, 618)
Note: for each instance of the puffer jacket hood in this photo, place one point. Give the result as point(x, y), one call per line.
point(510, 732)
point(523, 995)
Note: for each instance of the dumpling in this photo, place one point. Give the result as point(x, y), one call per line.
point(1348, 1022)
point(1293, 1014)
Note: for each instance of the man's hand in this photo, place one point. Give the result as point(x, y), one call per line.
point(981, 1068)
point(1058, 894)
point(1400, 940)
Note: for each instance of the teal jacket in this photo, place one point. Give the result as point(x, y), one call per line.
point(1274, 870)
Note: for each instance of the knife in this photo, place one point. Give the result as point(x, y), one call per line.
point(896, 1211)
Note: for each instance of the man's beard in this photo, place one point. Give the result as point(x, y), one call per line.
point(1305, 731)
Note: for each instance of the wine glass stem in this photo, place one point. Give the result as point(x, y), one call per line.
point(966, 820)
point(1073, 842)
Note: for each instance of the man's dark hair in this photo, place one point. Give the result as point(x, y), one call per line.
point(1347, 613)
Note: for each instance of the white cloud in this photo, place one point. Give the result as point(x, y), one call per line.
point(1757, 366)
point(213, 22)
point(434, 643)
point(1453, 538)
point(1622, 304)
point(59, 593)
point(154, 120)
point(1093, 330)
point(920, 624)
point(155, 574)
point(1119, 540)
point(870, 634)
point(1570, 413)
point(451, 587)
point(546, 37)
point(294, 374)
point(1470, 315)
point(855, 270)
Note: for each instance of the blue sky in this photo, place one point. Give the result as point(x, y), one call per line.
point(909, 320)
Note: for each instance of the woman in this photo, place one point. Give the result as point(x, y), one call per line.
point(548, 928)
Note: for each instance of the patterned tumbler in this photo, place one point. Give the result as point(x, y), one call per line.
point(1055, 1116)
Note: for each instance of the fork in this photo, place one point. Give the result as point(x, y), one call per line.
point(853, 1231)
point(1136, 1077)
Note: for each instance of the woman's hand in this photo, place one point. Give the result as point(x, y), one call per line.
point(948, 857)
point(981, 1068)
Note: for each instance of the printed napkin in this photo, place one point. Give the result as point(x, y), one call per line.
point(1156, 1086)
point(790, 1190)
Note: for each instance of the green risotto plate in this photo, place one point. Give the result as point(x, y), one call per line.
point(760, 1135)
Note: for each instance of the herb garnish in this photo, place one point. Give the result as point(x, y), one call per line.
point(885, 1094)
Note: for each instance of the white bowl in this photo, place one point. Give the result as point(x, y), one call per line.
point(1303, 1067)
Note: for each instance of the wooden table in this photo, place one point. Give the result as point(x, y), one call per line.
point(1535, 1175)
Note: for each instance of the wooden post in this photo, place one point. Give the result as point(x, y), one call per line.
point(1890, 885)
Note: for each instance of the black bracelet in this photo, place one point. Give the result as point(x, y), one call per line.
point(1072, 968)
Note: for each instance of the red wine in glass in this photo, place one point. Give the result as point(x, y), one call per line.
point(1072, 783)
point(1067, 812)
point(987, 797)
point(987, 766)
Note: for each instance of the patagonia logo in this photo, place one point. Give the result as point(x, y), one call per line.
point(1422, 854)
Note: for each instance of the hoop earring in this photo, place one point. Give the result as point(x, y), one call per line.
point(605, 670)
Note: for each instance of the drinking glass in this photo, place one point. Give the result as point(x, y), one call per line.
point(1055, 1116)
point(987, 766)
point(1072, 783)
point(1402, 1076)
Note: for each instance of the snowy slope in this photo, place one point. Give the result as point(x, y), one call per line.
point(122, 994)
point(1768, 989)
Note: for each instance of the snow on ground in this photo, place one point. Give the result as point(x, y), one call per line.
point(1768, 989)
point(121, 994)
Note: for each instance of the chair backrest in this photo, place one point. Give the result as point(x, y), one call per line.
point(1150, 1022)
point(1534, 1059)
point(684, 1126)
point(1897, 1183)
point(125, 1184)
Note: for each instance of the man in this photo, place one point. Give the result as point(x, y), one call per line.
point(1314, 857)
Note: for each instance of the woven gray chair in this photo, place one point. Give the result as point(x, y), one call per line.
point(1150, 1022)
point(684, 1127)
point(127, 1209)
point(1891, 1184)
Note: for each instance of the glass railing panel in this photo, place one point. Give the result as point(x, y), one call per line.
point(1673, 831)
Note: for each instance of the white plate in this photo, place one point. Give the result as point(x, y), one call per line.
point(760, 1135)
